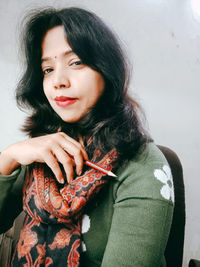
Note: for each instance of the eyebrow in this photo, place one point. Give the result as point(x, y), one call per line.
point(66, 53)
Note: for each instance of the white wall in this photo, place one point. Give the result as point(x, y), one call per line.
point(162, 38)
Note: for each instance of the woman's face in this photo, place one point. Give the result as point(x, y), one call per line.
point(71, 87)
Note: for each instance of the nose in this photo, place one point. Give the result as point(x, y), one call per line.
point(60, 79)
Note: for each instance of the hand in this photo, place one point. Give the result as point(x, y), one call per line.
point(52, 149)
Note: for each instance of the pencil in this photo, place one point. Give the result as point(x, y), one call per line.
point(99, 168)
point(96, 167)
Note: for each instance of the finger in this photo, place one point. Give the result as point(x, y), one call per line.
point(52, 162)
point(66, 161)
point(77, 155)
point(59, 129)
point(76, 143)
point(73, 148)
point(80, 139)
point(78, 158)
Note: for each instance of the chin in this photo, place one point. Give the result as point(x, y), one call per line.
point(73, 119)
point(70, 120)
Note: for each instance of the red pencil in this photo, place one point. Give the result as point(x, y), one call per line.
point(99, 168)
point(96, 167)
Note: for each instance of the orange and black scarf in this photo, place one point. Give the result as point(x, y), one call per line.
point(51, 235)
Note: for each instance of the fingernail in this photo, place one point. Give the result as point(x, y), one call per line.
point(62, 181)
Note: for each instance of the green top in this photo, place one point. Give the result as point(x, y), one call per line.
point(127, 224)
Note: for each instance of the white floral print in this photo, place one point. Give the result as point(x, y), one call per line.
point(164, 176)
point(83, 246)
point(85, 228)
point(85, 224)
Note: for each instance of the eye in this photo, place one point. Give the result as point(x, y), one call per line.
point(46, 71)
point(76, 63)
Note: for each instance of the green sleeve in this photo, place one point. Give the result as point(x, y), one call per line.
point(11, 197)
point(142, 215)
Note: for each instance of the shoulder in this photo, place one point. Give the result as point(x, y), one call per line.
point(148, 175)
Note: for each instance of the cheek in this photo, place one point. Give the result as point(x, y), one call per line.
point(45, 88)
point(95, 94)
point(100, 86)
point(45, 93)
point(97, 85)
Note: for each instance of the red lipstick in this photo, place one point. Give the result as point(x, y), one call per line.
point(63, 101)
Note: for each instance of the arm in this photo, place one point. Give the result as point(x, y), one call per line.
point(51, 149)
point(11, 197)
point(138, 234)
point(142, 216)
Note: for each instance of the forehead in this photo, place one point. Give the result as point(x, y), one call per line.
point(55, 42)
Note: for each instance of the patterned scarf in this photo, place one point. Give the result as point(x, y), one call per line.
point(51, 235)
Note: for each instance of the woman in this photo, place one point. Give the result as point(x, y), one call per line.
point(75, 84)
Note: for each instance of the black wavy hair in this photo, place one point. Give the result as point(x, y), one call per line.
point(114, 120)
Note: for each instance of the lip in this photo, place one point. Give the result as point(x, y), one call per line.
point(64, 101)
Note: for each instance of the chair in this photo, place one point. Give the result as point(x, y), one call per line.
point(194, 263)
point(9, 239)
point(174, 249)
